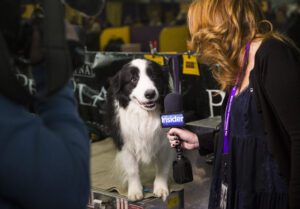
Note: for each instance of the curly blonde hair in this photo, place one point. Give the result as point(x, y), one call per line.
point(220, 30)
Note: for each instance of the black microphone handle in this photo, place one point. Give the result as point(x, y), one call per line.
point(179, 152)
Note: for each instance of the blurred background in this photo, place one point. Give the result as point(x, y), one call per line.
point(129, 25)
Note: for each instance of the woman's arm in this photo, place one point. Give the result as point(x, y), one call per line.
point(281, 83)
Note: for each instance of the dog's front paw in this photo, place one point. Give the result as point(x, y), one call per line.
point(161, 190)
point(135, 193)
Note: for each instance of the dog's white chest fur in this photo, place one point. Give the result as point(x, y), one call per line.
point(141, 131)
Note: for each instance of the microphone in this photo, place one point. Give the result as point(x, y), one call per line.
point(173, 117)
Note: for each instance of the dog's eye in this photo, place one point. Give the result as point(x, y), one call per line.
point(134, 79)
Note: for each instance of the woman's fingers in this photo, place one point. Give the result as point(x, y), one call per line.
point(178, 132)
point(173, 138)
point(187, 139)
point(175, 143)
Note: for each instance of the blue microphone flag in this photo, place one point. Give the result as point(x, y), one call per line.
point(172, 120)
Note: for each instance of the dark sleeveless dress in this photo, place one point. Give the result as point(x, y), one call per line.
point(254, 181)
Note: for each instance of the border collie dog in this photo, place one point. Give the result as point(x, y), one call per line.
point(135, 101)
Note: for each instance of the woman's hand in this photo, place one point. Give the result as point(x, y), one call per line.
point(188, 139)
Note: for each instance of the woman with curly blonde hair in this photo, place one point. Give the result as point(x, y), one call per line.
point(258, 153)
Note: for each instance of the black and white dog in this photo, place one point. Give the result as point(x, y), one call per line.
point(135, 99)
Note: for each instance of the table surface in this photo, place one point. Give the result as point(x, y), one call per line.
point(207, 122)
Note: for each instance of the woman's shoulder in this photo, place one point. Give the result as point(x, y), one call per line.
point(274, 55)
point(276, 47)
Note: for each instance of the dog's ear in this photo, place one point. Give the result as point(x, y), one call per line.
point(115, 83)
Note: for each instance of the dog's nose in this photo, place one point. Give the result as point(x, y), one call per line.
point(150, 94)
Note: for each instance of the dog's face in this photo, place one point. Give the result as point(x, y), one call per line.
point(140, 81)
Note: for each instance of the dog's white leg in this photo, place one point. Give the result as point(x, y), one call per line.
point(163, 166)
point(131, 169)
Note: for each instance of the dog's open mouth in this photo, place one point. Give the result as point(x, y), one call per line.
point(149, 105)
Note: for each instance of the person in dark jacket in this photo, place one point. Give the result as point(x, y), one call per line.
point(44, 150)
point(44, 157)
point(257, 157)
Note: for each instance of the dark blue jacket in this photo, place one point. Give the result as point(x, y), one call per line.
point(44, 157)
